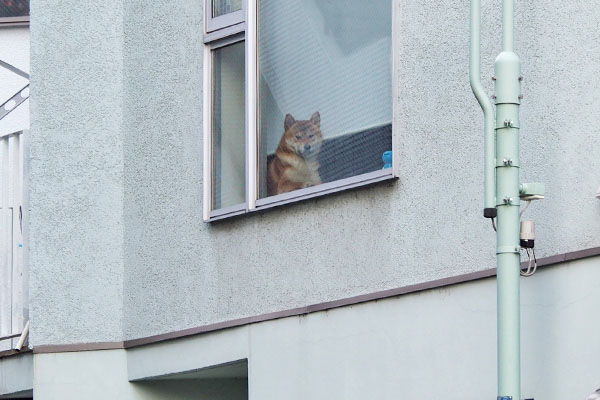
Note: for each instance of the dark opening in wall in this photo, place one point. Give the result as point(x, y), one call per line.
point(220, 382)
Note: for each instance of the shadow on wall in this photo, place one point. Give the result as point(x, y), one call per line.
point(193, 389)
point(222, 382)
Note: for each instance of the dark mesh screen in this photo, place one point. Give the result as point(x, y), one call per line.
point(14, 8)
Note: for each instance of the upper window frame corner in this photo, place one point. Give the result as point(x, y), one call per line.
point(214, 24)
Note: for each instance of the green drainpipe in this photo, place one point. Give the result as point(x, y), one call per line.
point(506, 201)
point(508, 96)
point(489, 203)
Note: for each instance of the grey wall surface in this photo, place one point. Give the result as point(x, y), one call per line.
point(130, 125)
point(98, 375)
point(434, 344)
point(164, 232)
point(16, 376)
point(76, 171)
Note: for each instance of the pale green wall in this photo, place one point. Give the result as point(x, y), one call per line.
point(118, 245)
point(76, 246)
point(433, 344)
point(16, 375)
point(99, 375)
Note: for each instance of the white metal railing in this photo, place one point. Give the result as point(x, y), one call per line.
point(18, 98)
point(14, 305)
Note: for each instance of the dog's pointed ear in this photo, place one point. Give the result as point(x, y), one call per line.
point(289, 121)
point(316, 118)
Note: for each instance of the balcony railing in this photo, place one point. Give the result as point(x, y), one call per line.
point(14, 307)
point(14, 275)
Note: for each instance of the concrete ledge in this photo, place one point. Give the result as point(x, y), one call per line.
point(62, 348)
point(436, 284)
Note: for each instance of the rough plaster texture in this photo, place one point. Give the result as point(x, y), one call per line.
point(181, 272)
point(76, 175)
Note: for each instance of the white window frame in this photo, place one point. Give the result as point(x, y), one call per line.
point(14, 21)
point(222, 21)
point(246, 30)
point(236, 209)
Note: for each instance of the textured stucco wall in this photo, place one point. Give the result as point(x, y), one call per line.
point(434, 344)
point(76, 171)
point(163, 164)
point(427, 225)
point(181, 272)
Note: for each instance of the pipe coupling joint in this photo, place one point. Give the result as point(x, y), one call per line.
point(508, 250)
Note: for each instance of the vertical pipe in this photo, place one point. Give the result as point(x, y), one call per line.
point(507, 25)
point(507, 91)
point(488, 113)
point(502, 189)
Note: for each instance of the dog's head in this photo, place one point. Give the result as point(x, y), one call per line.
point(303, 137)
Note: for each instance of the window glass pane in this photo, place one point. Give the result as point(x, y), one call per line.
point(14, 8)
point(222, 7)
point(228, 126)
point(325, 91)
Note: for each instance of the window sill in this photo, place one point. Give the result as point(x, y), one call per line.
point(6, 22)
point(325, 188)
point(227, 212)
point(304, 194)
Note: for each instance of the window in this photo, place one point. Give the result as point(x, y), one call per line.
point(298, 100)
point(14, 11)
point(228, 126)
point(223, 13)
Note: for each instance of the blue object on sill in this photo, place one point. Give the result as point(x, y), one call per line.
point(387, 159)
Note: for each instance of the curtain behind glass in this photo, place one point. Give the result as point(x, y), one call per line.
point(228, 126)
point(222, 7)
point(331, 57)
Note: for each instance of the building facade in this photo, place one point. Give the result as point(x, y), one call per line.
point(161, 265)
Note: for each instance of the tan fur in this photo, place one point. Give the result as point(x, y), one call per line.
point(296, 165)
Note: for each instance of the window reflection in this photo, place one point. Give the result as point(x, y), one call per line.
point(228, 126)
point(325, 71)
point(222, 7)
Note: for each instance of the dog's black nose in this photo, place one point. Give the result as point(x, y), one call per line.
point(306, 147)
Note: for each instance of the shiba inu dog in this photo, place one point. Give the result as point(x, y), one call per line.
point(296, 164)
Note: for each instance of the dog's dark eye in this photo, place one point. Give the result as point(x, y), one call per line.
point(298, 137)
